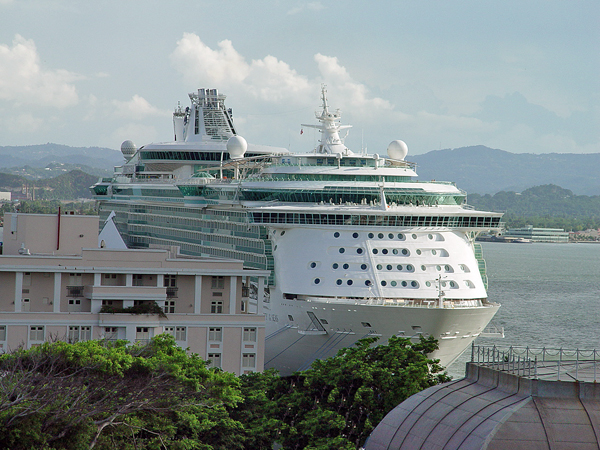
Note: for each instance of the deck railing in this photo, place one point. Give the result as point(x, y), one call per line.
point(551, 364)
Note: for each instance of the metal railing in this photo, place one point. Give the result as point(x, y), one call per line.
point(551, 364)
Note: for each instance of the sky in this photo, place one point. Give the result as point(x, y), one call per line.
point(521, 76)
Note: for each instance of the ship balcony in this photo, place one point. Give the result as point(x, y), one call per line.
point(148, 293)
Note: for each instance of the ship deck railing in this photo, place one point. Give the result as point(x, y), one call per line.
point(403, 302)
point(545, 363)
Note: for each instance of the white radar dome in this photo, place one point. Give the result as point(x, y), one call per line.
point(128, 149)
point(397, 150)
point(237, 146)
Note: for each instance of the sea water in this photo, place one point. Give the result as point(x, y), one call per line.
point(550, 296)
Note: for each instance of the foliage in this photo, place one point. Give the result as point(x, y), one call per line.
point(338, 401)
point(106, 395)
point(142, 308)
point(548, 206)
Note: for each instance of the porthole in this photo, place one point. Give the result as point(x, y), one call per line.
point(363, 266)
point(368, 283)
point(452, 284)
point(414, 284)
point(371, 235)
point(324, 322)
point(346, 266)
point(384, 251)
point(395, 251)
point(410, 268)
point(418, 251)
point(290, 318)
point(379, 267)
point(335, 265)
point(375, 251)
point(404, 284)
point(438, 268)
point(313, 265)
point(336, 234)
point(400, 236)
point(393, 283)
point(317, 280)
point(342, 250)
point(389, 267)
point(430, 236)
point(366, 324)
point(355, 235)
point(282, 233)
point(359, 251)
point(404, 251)
point(349, 282)
point(428, 283)
point(423, 268)
point(383, 283)
point(433, 252)
point(391, 235)
point(399, 267)
point(275, 248)
point(338, 282)
point(414, 236)
point(448, 268)
point(380, 235)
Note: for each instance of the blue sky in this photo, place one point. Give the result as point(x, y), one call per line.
point(522, 76)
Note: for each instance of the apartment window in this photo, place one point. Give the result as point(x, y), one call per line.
point(170, 281)
point(250, 334)
point(180, 334)
point(107, 302)
point(218, 283)
point(138, 279)
point(85, 333)
point(169, 330)
point(214, 360)
point(25, 305)
point(215, 334)
point(27, 279)
point(142, 334)
point(169, 306)
point(216, 307)
point(2, 332)
point(249, 360)
point(111, 333)
point(75, 279)
point(110, 275)
point(36, 333)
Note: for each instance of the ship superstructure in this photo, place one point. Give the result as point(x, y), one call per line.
point(355, 245)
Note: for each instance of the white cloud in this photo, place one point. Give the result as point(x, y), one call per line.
point(138, 108)
point(310, 6)
point(139, 134)
point(24, 81)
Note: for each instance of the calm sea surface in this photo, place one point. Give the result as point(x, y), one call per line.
point(550, 296)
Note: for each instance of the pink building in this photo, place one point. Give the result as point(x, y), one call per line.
point(56, 284)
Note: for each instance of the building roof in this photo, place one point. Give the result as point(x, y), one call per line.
point(504, 403)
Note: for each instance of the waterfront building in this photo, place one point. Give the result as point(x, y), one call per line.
point(57, 284)
point(555, 235)
point(517, 398)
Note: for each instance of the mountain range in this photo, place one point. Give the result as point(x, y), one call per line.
point(485, 170)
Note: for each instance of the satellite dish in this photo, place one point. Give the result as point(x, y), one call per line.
point(397, 150)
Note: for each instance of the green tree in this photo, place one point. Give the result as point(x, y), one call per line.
point(338, 401)
point(98, 394)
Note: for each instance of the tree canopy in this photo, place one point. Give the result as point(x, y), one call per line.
point(107, 395)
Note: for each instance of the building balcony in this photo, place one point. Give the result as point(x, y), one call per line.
point(151, 293)
point(75, 291)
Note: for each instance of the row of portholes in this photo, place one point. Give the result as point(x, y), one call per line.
point(451, 284)
point(400, 236)
point(413, 284)
point(447, 268)
point(395, 251)
point(359, 250)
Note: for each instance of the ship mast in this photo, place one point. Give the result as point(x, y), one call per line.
point(330, 142)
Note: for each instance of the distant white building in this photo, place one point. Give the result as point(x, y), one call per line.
point(5, 196)
point(56, 284)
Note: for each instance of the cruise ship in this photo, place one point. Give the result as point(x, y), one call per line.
point(355, 244)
